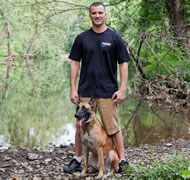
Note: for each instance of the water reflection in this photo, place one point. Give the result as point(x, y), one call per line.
point(4, 143)
point(141, 123)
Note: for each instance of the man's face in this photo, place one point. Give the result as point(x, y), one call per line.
point(97, 15)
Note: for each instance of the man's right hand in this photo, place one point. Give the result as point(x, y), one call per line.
point(74, 97)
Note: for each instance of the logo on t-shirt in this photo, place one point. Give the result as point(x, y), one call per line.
point(105, 44)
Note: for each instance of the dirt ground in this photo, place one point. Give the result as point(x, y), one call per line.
point(27, 164)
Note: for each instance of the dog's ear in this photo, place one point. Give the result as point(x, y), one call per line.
point(91, 102)
point(77, 108)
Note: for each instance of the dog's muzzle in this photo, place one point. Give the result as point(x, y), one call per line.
point(82, 117)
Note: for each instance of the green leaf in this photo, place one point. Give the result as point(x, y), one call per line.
point(185, 172)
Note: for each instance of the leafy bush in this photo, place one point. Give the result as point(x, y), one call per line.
point(177, 167)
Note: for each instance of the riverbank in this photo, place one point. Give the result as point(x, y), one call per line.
point(33, 164)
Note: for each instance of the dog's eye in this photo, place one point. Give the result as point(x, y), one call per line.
point(84, 108)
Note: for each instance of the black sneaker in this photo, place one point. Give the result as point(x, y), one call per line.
point(123, 166)
point(74, 166)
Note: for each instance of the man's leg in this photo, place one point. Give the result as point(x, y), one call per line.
point(118, 142)
point(78, 146)
point(76, 163)
point(110, 119)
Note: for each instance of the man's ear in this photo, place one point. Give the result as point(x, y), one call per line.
point(91, 102)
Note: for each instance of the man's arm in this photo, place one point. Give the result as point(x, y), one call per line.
point(119, 95)
point(74, 67)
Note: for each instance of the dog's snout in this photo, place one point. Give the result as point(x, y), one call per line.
point(77, 115)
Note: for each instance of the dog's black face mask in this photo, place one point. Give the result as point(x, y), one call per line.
point(82, 115)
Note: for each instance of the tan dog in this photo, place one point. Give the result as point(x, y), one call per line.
point(95, 139)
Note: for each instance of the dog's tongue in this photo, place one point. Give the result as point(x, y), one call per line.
point(79, 123)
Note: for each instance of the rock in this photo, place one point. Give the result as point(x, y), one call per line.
point(15, 162)
point(36, 178)
point(64, 157)
point(130, 150)
point(21, 171)
point(5, 165)
point(168, 145)
point(6, 158)
point(32, 156)
point(30, 169)
point(32, 162)
point(2, 170)
point(25, 164)
point(70, 153)
point(48, 160)
point(63, 146)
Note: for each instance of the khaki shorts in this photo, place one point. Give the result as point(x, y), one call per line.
point(108, 110)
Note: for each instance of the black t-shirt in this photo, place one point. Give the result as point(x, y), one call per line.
point(99, 53)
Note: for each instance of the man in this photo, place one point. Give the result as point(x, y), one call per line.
point(99, 49)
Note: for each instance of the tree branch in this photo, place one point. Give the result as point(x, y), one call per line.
point(2, 34)
point(9, 60)
point(152, 1)
point(64, 2)
point(116, 3)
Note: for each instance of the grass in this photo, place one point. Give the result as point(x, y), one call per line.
point(177, 167)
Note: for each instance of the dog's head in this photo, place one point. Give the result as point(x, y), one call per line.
point(84, 112)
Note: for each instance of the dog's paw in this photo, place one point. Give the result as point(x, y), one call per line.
point(100, 176)
point(83, 173)
point(107, 176)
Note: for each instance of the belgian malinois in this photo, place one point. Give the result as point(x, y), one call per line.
point(94, 139)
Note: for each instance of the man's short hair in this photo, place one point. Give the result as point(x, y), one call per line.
point(96, 4)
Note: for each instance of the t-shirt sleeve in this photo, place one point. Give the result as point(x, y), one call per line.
point(75, 53)
point(121, 50)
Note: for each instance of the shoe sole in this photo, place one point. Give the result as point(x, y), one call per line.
point(71, 172)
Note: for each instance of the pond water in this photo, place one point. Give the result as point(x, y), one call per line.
point(141, 123)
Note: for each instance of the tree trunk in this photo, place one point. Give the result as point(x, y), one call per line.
point(178, 22)
point(9, 60)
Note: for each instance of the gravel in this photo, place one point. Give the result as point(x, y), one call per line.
point(33, 164)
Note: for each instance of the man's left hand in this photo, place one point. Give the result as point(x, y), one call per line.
point(118, 96)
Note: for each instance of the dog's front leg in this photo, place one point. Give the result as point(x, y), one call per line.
point(85, 159)
point(100, 162)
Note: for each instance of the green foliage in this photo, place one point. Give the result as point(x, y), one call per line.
point(185, 173)
point(160, 52)
point(177, 167)
point(40, 22)
point(152, 14)
point(186, 9)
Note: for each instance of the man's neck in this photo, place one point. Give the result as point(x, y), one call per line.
point(99, 29)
